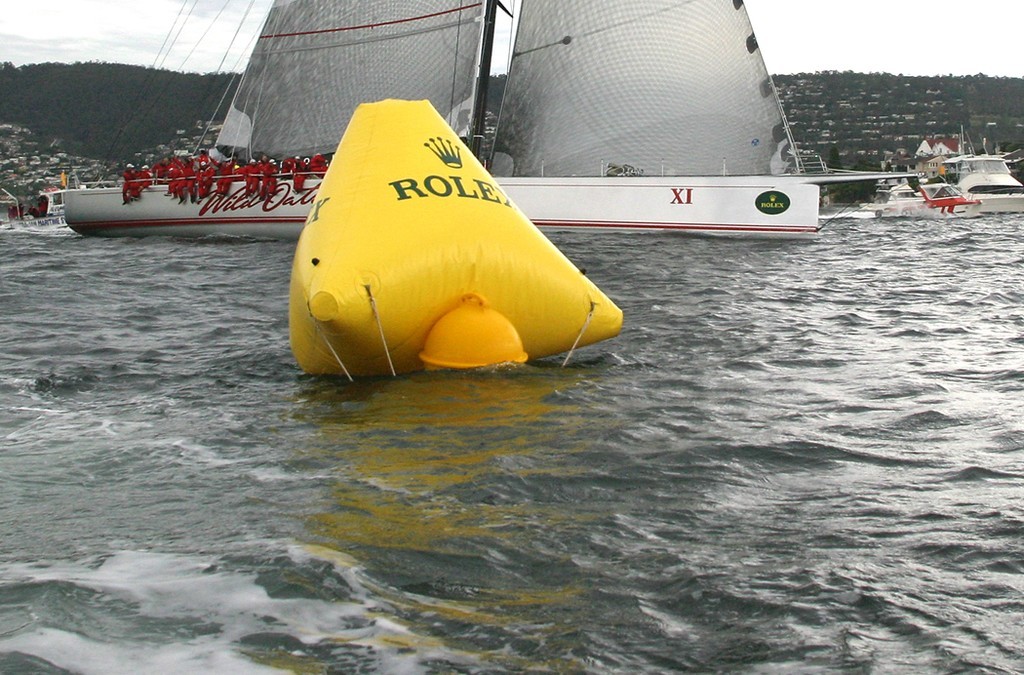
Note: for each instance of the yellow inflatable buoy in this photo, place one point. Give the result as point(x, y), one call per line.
point(413, 257)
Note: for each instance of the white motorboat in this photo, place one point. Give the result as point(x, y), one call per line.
point(47, 211)
point(988, 178)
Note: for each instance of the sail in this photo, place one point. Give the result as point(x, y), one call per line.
point(316, 60)
point(652, 87)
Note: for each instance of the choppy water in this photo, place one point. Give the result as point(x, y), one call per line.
point(797, 457)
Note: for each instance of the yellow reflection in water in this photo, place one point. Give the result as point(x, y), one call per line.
point(402, 446)
point(438, 466)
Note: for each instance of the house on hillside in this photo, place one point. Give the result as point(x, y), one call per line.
point(945, 147)
point(925, 166)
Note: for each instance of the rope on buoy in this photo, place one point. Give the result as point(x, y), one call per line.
point(582, 331)
point(380, 328)
point(331, 347)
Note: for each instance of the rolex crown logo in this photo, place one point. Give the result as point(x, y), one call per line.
point(447, 151)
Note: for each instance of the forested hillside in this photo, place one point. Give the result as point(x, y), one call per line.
point(864, 116)
point(107, 111)
point(110, 111)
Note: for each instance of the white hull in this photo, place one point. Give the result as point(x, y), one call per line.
point(1000, 203)
point(724, 205)
point(988, 178)
point(730, 206)
point(101, 212)
point(43, 222)
point(921, 210)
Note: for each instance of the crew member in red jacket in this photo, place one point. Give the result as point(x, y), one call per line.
point(318, 165)
point(160, 170)
point(269, 185)
point(203, 161)
point(128, 186)
point(251, 172)
point(188, 175)
point(143, 179)
point(301, 173)
point(227, 175)
point(288, 165)
point(174, 184)
point(204, 180)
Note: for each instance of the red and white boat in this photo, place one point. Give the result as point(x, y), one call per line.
point(102, 212)
point(929, 200)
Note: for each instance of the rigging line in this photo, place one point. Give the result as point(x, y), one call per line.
point(177, 35)
point(238, 30)
point(376, 316)
point(215, 112)
point(203, 36)
point(220, 68)
point(143, 93)
point(181, 10)
point(513, 29)
point(330, 347)
point(842, 213)
point(586, 324)
point(256, 93)
point(455, 71)
point(411, 19)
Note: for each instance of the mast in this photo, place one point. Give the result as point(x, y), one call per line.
point(483, 75)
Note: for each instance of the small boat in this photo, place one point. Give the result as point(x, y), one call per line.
point(929, 200)
point(47, 211)
point(988, 178)
point(413, 257)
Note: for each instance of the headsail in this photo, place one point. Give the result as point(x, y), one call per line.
point(662, 87)
point(316, 60)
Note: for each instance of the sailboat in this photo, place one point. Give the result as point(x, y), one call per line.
point(640, 115)
point(313, 64)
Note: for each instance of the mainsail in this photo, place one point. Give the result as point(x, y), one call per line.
point(658, 87)
point(316, 60)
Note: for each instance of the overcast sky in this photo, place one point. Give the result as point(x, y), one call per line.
point(937, 37)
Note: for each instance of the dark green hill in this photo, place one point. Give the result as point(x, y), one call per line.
point(861, 117)
point(108, 111)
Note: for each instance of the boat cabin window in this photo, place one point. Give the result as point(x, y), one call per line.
point(981, 166)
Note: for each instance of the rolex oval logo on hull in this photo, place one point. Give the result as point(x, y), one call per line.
point(449, 153)
point(772, 202)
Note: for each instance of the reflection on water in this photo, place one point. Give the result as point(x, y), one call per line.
point(434, 496)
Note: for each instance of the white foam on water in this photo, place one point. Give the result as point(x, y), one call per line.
point(193, 589)
point(201, 454)
point(81, 655)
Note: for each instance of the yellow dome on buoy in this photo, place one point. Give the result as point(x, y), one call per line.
point(472, 335)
